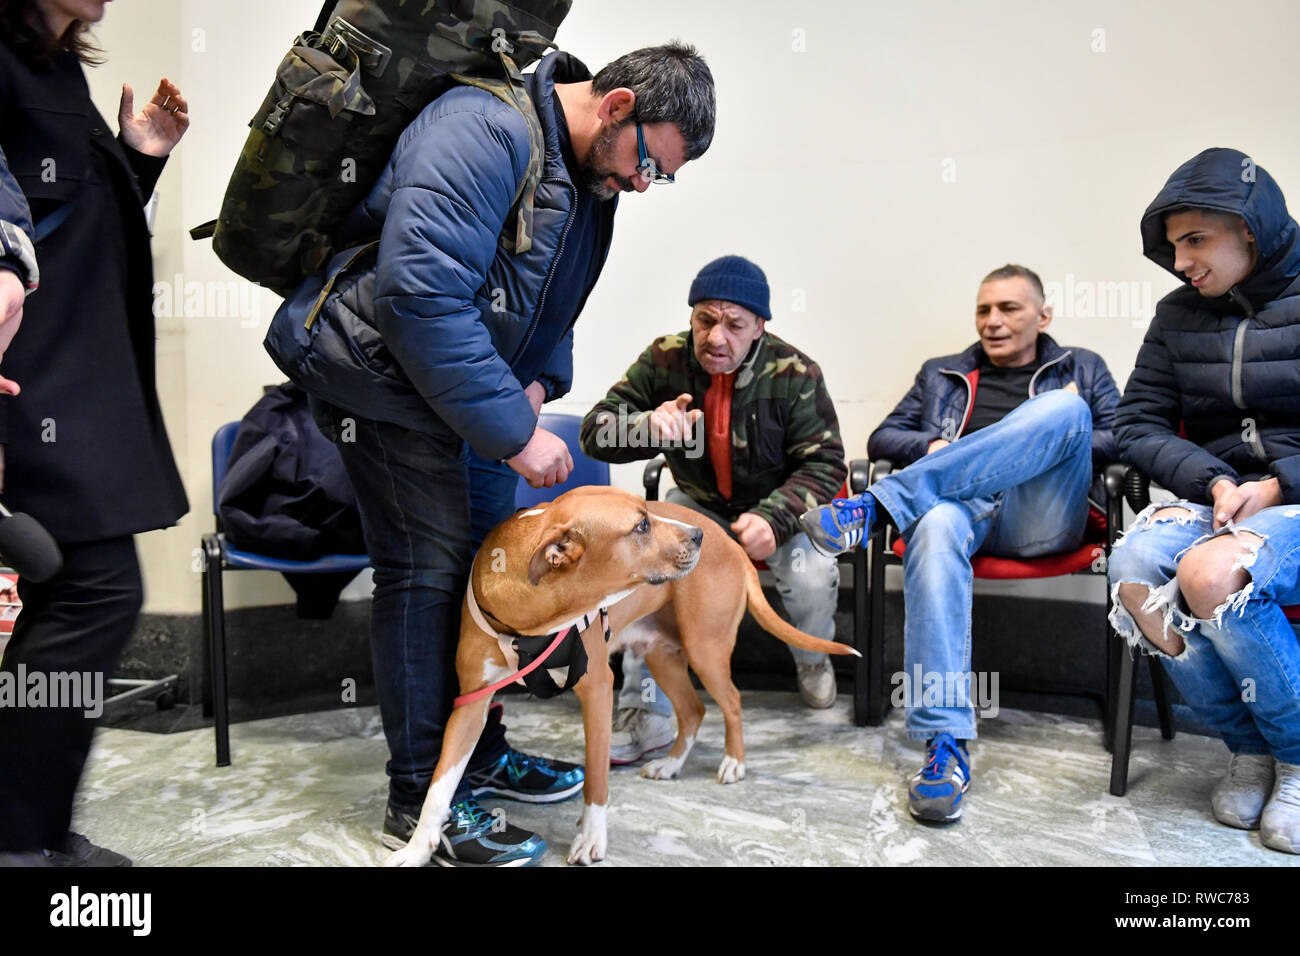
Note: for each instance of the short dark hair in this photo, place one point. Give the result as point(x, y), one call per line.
point(1221, 214)
point(672, 84)
point(23, 27)
point(1012, 271)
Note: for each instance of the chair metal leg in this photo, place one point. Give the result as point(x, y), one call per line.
point(877, 705)
point(862, 603)
point(205, 651)
point(1126, 685)
point(216, 627)
point(1161, 694)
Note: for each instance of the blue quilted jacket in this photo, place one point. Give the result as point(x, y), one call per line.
point(1216, 388)
point(429, 330)
point(939, 403)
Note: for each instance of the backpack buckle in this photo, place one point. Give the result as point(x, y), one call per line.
point(371, 54)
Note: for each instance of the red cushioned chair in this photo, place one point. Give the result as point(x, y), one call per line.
point(857, 560)
point(887, 548)
point(1137, 490)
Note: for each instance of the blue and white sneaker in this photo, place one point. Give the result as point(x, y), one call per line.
point(470, 837)
point(841, 525)
point(520, 776)
point(936, 791)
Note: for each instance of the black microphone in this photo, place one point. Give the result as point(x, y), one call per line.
point(27, 547)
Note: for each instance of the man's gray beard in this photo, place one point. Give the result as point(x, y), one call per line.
point(591, 178)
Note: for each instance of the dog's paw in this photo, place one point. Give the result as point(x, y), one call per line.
point(589, 845)
point(411, 855)
point(665, 768)
point(731, 770)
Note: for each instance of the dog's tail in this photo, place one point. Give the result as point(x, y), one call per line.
point(771, 622)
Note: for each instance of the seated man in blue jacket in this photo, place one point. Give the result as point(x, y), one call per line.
point(1000, 444)
point(446, 341)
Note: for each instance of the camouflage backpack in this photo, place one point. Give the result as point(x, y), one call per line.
point(342, 97)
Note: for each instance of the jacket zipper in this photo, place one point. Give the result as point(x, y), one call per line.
point(970, 399)
point(1238, 394)
point(1033, 380)
point(1238, 398)
point(550, 274)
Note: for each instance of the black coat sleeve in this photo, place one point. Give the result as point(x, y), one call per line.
point(901, 437)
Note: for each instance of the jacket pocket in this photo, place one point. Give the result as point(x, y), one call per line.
point(765, 434)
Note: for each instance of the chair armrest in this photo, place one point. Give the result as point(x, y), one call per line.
point(879, 468)
point(859, 475)
point(650, 478)
point(1137, 489)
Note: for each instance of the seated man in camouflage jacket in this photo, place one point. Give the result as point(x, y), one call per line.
point(751, 437)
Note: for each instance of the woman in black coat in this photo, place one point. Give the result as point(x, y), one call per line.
point(85, 450)
point(1212, 412)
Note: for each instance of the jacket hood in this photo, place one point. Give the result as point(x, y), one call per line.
point(1227, 180)
point(553, 68)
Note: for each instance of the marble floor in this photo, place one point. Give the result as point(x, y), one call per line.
point(309, 790)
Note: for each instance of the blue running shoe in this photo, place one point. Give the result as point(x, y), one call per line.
point(470, 837)
point(841, 525)
point(520, 776)
point(936, 790)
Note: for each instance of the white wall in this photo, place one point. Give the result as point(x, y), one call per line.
point(875, 159)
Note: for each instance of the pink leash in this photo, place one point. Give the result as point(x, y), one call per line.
point(464, 699)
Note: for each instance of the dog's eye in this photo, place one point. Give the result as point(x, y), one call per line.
point(644, 526)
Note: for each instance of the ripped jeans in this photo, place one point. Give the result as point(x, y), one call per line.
point(1240, 669)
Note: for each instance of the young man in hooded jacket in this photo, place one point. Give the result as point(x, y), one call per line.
point(1212, 413)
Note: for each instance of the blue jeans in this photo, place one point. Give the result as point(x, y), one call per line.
point(809, 585)
point(413, 492)
point(1240, 669)
point(1018, 488)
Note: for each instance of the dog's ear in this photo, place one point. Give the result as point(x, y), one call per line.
point(560, 547)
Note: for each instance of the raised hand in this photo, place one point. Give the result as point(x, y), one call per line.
point(159, 125)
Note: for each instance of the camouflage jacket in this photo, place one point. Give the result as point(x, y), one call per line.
point(787, 455)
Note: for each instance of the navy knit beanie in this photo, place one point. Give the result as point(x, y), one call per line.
point(733, 279)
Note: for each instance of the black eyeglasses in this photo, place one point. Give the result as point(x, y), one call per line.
point(646, 167)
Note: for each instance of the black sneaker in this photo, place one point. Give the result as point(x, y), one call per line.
point(88, 854)
point(520, 776)
point(470, 837)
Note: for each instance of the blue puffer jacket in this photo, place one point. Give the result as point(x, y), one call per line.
point(1225, 372)
point(428, 332)
point(939, 403)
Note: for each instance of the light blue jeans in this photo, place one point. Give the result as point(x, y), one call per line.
point(1018, 488)
point(809, 585)
point(1240, 669)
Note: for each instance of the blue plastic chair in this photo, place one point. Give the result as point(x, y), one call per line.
point(218, 557)
point(586, 471)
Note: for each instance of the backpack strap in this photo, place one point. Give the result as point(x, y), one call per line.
point(512, 92)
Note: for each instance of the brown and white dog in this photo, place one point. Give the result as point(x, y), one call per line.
point(594, 547)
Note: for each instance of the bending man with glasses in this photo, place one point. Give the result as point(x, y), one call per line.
point(447, 342)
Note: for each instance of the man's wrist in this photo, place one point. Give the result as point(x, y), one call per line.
point(1215, 482)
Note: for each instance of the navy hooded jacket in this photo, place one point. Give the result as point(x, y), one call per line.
point(432, 331)
point(1216, 388)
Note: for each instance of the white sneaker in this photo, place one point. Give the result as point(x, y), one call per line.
point(1238, 799)
point(1279, 825)
point(638, 733)
point(816, 683)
